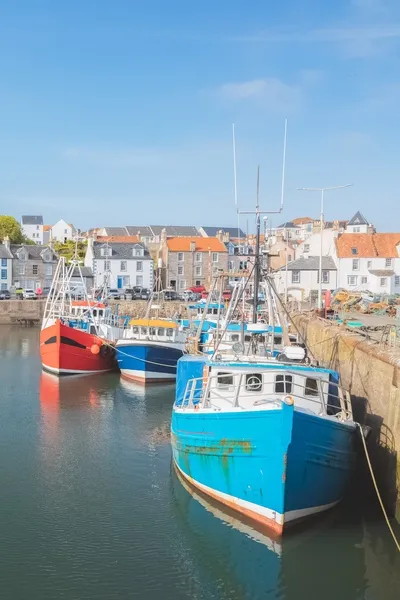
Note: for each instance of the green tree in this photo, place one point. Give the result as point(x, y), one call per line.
point(10, 227)
point(67, 249)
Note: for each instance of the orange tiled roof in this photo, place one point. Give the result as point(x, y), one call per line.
point(302, 220)
point(182, 244)
point(47, 227)
point(127, 239)
point(368, 245)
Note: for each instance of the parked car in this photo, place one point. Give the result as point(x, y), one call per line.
point(5, 295)
point(45, 292)
point(129, 294)
point(170, 295)
point(145, 294)
point(188, 296)
point(114, 294)
point(227, 294)
point(198, 289)
point(30, 294)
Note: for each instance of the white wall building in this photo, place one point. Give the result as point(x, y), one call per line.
point(369, 262)
point(302, 277)
point(358, 224)
point(32, 227)
point(60, 232)
point(128, 264)
point(312, 245)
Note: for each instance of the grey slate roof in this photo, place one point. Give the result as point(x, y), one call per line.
point(116, 231)
point(142, 229)
point(287, 225)
point(120, 251)
point(32, 220)
point(86, 272)
point(34, 251)
point(4, 252)
point(358, 219)
point(233, 231)
point(176, 230)
point(311, 264)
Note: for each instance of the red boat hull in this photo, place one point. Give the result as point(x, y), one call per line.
point(65, 350)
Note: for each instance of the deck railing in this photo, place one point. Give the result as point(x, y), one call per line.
point(327, 398)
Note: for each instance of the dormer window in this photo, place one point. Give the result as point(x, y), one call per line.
point(106, 252)
point(22, 255)
point(137, 251)
point(354, 251)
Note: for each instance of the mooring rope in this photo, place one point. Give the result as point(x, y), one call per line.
point(396, 541)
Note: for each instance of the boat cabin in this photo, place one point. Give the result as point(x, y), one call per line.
point(161, 330)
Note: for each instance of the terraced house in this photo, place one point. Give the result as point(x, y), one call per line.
point(191, 261)
point(32, 266)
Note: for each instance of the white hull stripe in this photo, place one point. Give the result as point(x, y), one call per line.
point(72, 371)
point(292, 515)
point(146, 375)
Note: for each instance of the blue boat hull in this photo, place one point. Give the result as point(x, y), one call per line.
point(148, 362)
point(273, 466)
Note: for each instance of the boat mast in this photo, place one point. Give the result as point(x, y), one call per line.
point(257, 257)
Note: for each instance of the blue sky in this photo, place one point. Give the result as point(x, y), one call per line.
point(120, 111)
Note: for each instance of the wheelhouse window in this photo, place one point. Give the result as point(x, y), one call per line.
point(143, 330)
point(254, 382)
point(170, 332)
point(311, 387)
point(224, 380)
point(235, 337)
point(283, 384)
point(161, 331)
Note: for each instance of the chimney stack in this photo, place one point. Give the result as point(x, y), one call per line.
point(192, 246)
point(6, 242)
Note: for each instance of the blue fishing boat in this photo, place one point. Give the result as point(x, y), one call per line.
point(272, 439)
point(150, 349)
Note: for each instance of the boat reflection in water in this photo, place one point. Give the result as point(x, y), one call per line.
point(324, 561)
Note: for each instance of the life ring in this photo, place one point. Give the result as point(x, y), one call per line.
point(205, 376)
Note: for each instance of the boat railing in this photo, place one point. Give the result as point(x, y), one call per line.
point(320, 396)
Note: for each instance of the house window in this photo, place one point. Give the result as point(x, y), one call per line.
point(325, 276)
point(354, 251)
point(123, 266)
point(351, 280)
point(369, 264)
point(21, 270)
point(383, 281)
point(3, 286)
point(254, 382)
point(49, 270)
point(3, 262)
point(180, 256)
point(180, 270)
point(126, 281)
point(4, 273)
point(65, 231)
point(311, 387)
point(37, 226)
point(364, 279)
point(198, 257)
point(306, 247)
point(283, 384)
point(198, 271)
point(182, 284)
point(289, 257)
point(106, 265)
point(230, 265)
point(139, 265)
point(224, 380)
point(295, 276)
point(215, 257)
point(397, 280)
point(356, 264)
point(388, 262)
point(356, 229)
point(138, 252)
point(139, 280)
point(34, 269)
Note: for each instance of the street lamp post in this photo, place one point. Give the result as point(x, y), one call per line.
point(322, 190)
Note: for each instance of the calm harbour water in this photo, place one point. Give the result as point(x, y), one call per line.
point(91, 508)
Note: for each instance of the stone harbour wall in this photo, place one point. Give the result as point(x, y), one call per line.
point(372, 376)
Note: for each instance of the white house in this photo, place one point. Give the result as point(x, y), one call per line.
point(60, 232)
point(312, 245)
point(358, 224)
point(126, 264)
point(369, 261)
point(32, 227)
point(6, 258)
point(302, 277)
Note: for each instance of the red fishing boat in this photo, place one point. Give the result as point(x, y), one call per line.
point(76, 336)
